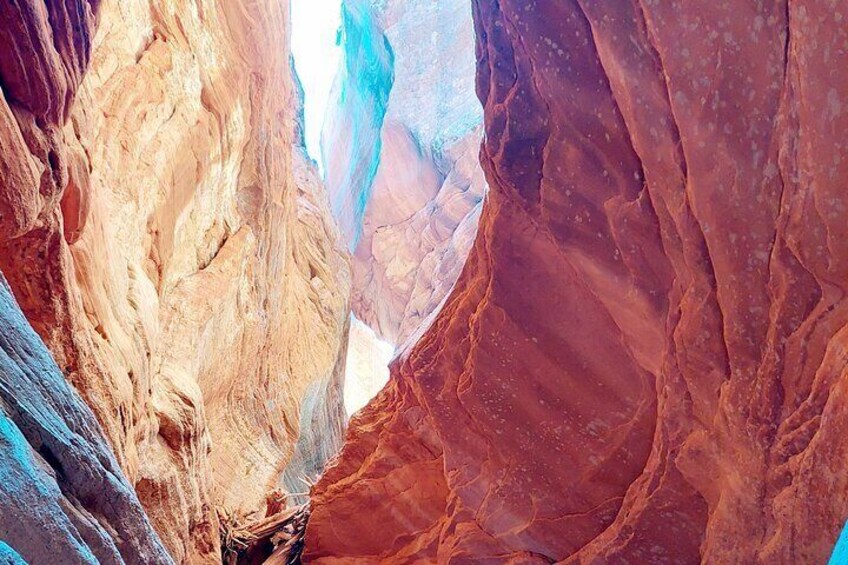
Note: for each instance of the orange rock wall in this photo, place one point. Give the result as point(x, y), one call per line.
point(643, 360)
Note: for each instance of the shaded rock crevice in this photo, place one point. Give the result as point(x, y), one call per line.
point(63, 491)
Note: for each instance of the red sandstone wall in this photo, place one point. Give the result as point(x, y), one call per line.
point(644, 359)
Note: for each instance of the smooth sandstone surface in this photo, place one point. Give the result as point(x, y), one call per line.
point(350, 135)
point(643, 360)
point(168, 240)
point(367, 366)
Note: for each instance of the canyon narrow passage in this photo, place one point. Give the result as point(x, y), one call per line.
point(392, 120)
point(317, 52)
point(389, 282)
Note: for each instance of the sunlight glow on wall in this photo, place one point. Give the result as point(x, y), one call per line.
point(365, 83)
point(367, 370)
point(315, 25)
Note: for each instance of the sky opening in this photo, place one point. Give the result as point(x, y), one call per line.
point(315, 27)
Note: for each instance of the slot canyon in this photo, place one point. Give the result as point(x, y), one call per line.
point(423, 281)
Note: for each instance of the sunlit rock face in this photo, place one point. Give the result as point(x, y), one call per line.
point(643, 359)
point(367, 369)
point(62, 493)
point(172, 249)
point(418, 204)
point(350, 139)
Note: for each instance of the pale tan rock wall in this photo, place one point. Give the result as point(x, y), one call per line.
point(417, 231)
point(411, 158)
point(190, 282)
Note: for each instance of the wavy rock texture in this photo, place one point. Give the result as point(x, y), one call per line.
point(62, 492)
point(172, 249)
point(421, 199)
point(643, 360)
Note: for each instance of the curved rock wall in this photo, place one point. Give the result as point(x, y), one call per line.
point(421, 199)
point(62, 493)
point(642, 361)
point(173, 249)
point(350, 138)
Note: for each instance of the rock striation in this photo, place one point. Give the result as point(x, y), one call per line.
point(174, 248)
point(643, 359)
point(62, 492)
point(415, 175)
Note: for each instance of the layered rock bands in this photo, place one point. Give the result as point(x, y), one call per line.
point(174, 251)
point(644, 358)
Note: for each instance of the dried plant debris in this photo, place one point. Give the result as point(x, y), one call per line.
point(276, 539)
